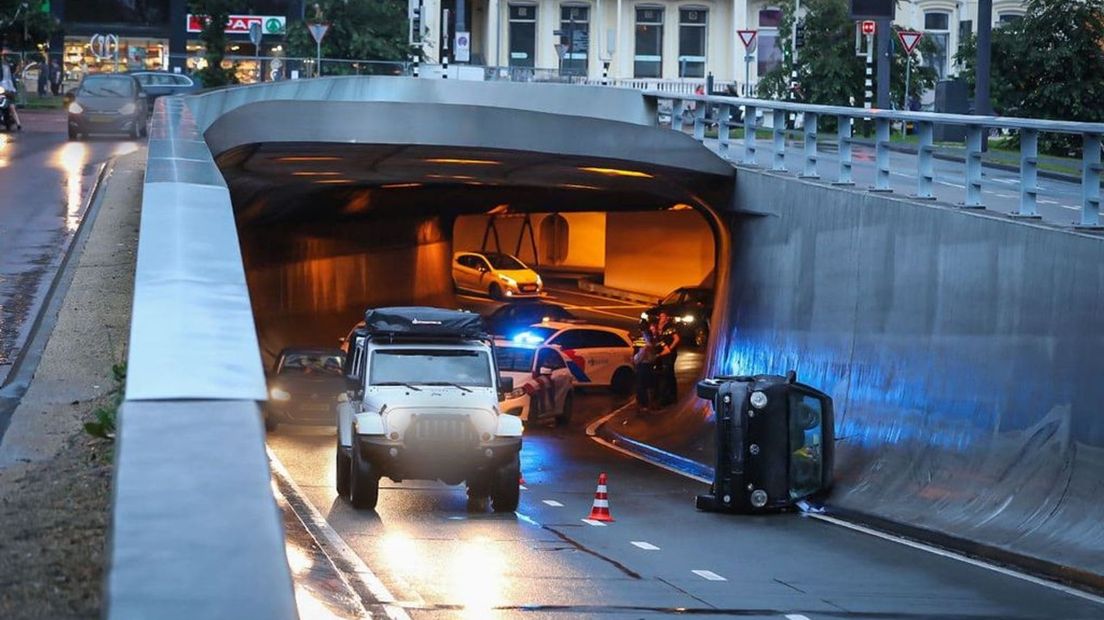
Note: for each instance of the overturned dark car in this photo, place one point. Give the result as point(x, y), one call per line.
point(775, 443)
point(690, 307)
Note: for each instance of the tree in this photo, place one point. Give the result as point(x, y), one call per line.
point(40, 25)
point(359, 30)
point(1050, 63)
point(829, 71)
point(214, 39)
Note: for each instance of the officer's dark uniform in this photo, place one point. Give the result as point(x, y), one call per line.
point(666, 385)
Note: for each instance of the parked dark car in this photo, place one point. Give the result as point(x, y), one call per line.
point(162, 83)
point(107, 103)
point(691, 308)
point(510, 319)
point(303, 387)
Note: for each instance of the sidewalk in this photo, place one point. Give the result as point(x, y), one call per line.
point(55, 479)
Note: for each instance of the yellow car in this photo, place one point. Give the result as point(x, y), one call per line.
point(499, 275)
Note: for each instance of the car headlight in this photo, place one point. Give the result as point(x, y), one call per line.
point(540, 282)
point(76, 108)
point(279, 394)
point(644, 316)
point(689, 318)
point(758, 400)
point(516, 393)
point(128, 108)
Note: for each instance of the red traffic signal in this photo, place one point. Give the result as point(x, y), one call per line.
point(869, 26)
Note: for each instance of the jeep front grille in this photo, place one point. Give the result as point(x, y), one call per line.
point(440, 430)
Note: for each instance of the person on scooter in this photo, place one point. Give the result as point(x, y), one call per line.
point(7, 82)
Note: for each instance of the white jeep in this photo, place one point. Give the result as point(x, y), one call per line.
point(423, 404)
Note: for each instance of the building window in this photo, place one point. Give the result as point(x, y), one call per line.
point(1009, 18)
point(523, 35)
point(769, 54)
point(692, 24)
point(648, 61)
point(937, 28)
point(575, 25)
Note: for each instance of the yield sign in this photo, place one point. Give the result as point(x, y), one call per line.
point(909, 39)
point(747, 36)
point(318, 30)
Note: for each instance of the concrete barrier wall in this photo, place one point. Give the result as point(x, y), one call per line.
point(964, 352)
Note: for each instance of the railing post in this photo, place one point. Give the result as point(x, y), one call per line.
point(749, 135)
point(810, 169)
point(844, 132)
point(881, 154)
point(1090, 181)
point(1029, 173)
point(779, 141)
point(973, 167)
point(925, 174)
point(724, 128)
point(699, 121)
point(678, 106)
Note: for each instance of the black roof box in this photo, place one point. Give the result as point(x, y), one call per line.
point(423, 322)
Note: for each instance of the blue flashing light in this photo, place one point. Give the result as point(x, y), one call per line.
point(527, 338)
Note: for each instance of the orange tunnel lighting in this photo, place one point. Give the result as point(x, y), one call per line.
point(616, 172)
point(463, 162)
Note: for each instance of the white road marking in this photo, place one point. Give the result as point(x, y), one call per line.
point(708, 575)
point(593, 522)
point(951, 184)
point(647, 546)
point(523, 487)
point(961, 558)
point(553, 503)
point(1046, 201)
point(583, 293)
point(796, 617)
point(1004, 195)
point(591, 431)
point(361, 572)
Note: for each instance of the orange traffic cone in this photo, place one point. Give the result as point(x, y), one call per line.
point(600, 511)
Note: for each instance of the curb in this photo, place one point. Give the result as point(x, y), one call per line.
point(1029, 565)
point(613, 293)
point(26, 362)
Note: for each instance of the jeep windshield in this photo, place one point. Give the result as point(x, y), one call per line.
point(462, 367)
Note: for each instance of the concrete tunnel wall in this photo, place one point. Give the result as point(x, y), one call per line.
point(963, 351)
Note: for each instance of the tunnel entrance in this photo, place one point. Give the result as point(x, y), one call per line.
point(327, 230)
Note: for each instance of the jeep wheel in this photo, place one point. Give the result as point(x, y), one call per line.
point(565, 416)
point(622, 382)
point(506, 487)
point(344, 465)
point(363, 482)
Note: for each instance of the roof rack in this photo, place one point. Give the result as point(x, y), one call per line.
point(423, 323)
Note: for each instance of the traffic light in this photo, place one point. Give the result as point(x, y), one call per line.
point(799, 35)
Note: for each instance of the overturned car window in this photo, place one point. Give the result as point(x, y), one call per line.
point(806, 449)
point(426, 367)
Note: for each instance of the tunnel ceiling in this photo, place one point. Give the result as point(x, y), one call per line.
point(288, 182)
point(288, 161)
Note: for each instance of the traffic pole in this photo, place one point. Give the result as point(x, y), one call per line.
point(445, 47)
point(908, 76)
point(868, 98)
point(318, 67)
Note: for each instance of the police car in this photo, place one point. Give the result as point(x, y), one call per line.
point(596, 355)
point(542, 381)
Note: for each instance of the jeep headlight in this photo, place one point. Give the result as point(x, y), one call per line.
point(279, 394)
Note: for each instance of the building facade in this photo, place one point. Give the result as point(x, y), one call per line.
point(662, 39)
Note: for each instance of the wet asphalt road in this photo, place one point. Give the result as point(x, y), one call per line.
point(44, 184)
point(660, 557)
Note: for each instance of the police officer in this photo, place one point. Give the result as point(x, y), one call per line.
point(668, 340)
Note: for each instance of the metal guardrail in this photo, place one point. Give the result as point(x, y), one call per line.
point(1029, 129)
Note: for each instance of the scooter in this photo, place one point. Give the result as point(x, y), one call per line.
point(7, 118)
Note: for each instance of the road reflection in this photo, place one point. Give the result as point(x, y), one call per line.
point(71, 159)
point(5, 146)
point(478, 577)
